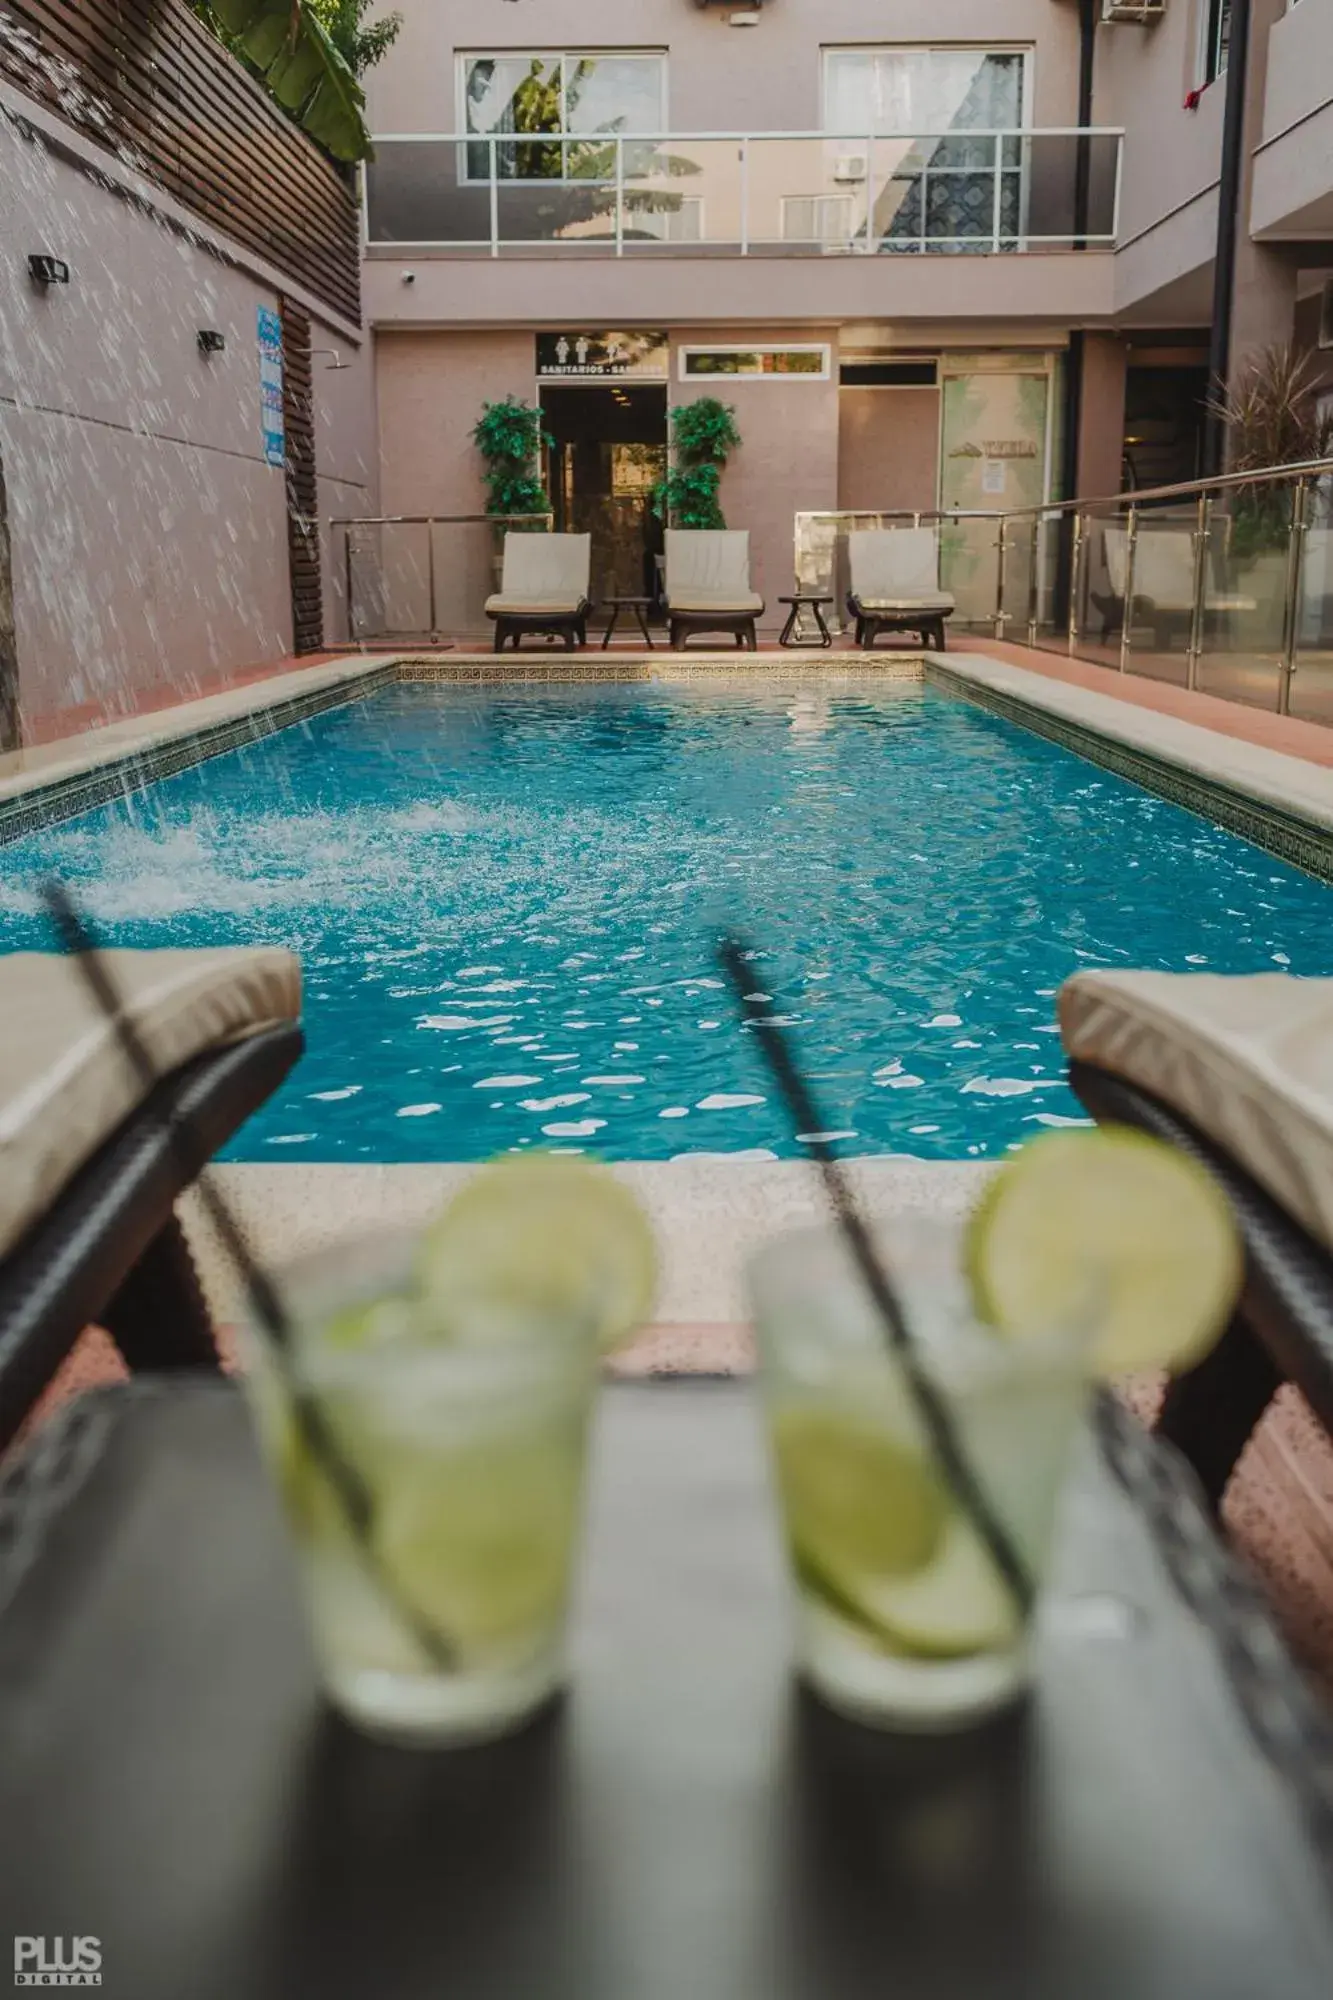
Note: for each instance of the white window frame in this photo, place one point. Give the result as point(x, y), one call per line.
point(820, 347)
point(833, 241)
point(462, 58)
point(1025, 49)
point(1203, 55)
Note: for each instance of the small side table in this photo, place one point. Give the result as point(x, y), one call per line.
point(640, 606)
point(813, 601)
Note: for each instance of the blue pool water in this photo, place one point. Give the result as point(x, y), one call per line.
point(507, 900)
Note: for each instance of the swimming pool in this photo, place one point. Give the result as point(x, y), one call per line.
point(507, 899)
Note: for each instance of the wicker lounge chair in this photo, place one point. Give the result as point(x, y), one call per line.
point(708, 584)
point(543, 588)
point(1163, 584)
point(91, 1167)
point(1238, 1073)
point(895, 585)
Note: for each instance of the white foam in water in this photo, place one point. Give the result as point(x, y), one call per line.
point(504, 1082)
point(999, 1086)
point(418, 1110)
point(727, 1100)
point(562, 1103)
point(579, 1128)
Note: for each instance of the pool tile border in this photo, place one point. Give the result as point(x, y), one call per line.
point(1287, 836)
point(46, 803)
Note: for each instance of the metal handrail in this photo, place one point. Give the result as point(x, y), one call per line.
point(834, 138)
point(1185, 489)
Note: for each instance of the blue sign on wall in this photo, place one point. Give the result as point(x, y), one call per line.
point(270, 386)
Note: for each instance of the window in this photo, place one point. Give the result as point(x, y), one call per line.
point(825, 219)
point(1216, 39)
point(939, 189)
point(889, 374)
point(756, 362)
point(561, 104)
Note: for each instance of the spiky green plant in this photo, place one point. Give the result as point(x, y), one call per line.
point(1273, 415)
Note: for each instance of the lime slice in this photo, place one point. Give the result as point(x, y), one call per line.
point(479, 1537)
point(541, 1238)
point(1115, 1227)
point(955, 1607)
point(861, 1506)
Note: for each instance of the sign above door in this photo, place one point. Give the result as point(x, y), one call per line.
point(602, 357)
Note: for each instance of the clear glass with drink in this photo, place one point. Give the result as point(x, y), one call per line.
point(425, 1411)
point(904, 1619)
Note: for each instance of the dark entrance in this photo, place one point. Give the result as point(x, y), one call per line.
point(609, 451)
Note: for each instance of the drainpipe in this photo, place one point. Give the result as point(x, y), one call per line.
point(1073, 385)
point(1228, 229)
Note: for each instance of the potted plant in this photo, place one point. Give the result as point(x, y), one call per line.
point(703, 437)
point(509, 436)
point(1273, 415)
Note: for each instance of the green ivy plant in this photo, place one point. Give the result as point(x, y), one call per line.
point(703, 437)
point(509, 436)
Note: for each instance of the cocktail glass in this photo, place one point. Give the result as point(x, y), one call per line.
point(439, 1616)
point(903, 1617)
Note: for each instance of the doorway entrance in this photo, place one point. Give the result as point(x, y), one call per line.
point(609, 451)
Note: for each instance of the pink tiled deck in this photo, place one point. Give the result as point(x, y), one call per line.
point(1309, 740)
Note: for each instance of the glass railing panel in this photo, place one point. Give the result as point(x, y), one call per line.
point(1163, 563)
point(552, 190)
point(1244, 613)
point(419, 191)
point(1017, 559)
point(1312, 680)
point(415, 579)
point(1054, 560)
point(991, 193)
point(1100, 586)
point(970, 569)
point(683, 192)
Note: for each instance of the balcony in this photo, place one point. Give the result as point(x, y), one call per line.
point(757, 194)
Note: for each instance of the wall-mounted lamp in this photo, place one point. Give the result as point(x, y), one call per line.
point(210, 340)
point(335, 360)
point(45, 270)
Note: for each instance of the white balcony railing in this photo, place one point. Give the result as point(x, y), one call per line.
point(984, 192)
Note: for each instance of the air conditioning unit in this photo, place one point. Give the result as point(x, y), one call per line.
point(849, 168)
point(1143, 12)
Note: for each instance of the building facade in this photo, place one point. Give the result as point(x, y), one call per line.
point(185, 386)
point(955, 255)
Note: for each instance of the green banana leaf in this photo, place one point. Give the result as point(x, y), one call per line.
point(303, 69)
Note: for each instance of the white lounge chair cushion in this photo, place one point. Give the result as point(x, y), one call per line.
point(699, 602)
point(531, 607)
point(65, 1085)
point(708, 569)
point(932, 603)
point(543, 573)
point(1247, 1060)
point(891, 567)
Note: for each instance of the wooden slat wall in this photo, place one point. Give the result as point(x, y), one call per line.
point(302, 496)
point(147, 79)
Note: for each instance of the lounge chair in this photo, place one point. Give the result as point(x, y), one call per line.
point(708, 585)
point(1237, 1073)
point(1163, 584)
point(543, 588)
point(895, 584)
point(91, 1166)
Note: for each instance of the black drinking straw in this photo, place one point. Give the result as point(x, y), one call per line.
point(736, 960)
point(348, 1487)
